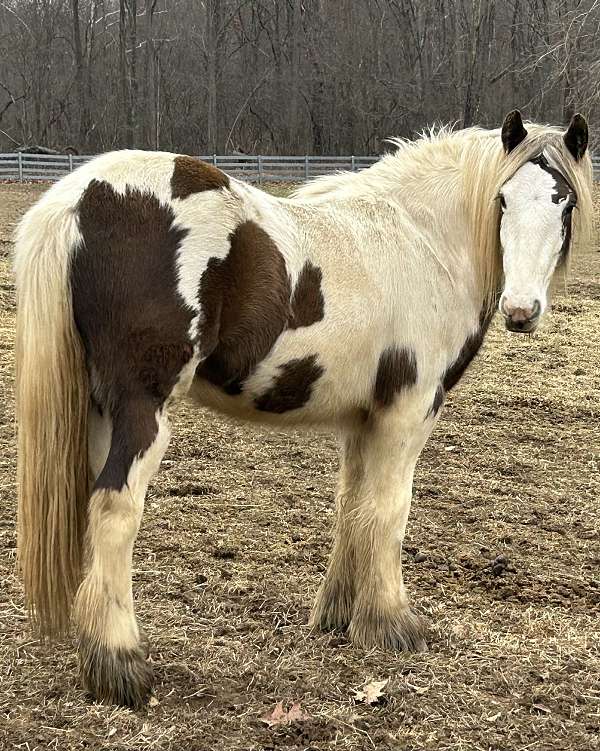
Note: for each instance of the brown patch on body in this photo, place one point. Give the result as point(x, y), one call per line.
point(292, 387)
point(307, 301)
point(438, 400)
point(245, 301)
point(131, 319)
point(195, 176)
point(396, 371)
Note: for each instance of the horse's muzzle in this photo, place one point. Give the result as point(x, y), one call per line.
point(522, 320)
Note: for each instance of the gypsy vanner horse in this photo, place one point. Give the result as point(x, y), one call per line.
point(356, 304)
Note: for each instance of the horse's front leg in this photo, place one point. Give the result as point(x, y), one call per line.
point(113, 661)
point(364, 587)
point(335, 598)
point(391, 445)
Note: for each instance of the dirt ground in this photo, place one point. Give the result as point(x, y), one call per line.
point(502, 556)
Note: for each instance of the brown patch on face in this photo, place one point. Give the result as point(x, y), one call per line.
point(397, 370)
point(307, 300)
point(131, 319)
point(292, 387)
point(245, 300)
point(468, 351)
point(195, 176)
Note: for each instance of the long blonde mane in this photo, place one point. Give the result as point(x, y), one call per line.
point(472, 167)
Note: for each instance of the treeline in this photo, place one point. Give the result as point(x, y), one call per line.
point(285, 76)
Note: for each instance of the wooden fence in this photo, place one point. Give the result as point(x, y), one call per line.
point(20, 167)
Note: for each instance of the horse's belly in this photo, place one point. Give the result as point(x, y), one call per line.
point(244, 406)
point(294, 398)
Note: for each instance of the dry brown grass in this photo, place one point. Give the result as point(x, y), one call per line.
point(235, 539)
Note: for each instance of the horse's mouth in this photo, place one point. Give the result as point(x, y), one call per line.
point(521, 327)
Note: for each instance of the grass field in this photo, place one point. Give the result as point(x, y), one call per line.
point(502, 556)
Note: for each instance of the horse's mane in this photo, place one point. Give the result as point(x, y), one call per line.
point(473, 161)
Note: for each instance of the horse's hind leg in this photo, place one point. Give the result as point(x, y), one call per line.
point(112, 660)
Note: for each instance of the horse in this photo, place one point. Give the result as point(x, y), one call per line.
point(354, 305)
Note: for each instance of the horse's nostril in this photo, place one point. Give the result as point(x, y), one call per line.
point(522, 315)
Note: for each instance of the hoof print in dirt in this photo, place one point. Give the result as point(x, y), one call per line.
point(500, 565)
point(225, 553)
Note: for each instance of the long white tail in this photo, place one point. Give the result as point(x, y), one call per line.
point(52, 395)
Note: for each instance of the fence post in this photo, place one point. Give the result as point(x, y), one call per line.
point(20, 160)
point(306, 163)
point(214, 160)
point(353, 164)
point(260, 170)
point(70, 162)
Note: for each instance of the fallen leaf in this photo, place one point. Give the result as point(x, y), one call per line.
point(153, 701)
point(370, 693)
point(281, 716)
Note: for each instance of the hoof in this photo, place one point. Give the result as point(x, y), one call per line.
point(332, 610)
point(400, 630)
point(116, 676)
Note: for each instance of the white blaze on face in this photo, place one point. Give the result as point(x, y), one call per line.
point(532, 235)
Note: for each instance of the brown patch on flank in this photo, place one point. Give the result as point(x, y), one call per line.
point(129, 314)
point(245, 300)
point(397, 370)
point(307, 300)
point(292, 388)
point(195, 176)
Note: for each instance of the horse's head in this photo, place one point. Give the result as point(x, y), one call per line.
point(535, 226)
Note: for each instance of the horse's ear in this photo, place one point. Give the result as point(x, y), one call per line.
point(576, 137)
point(513, 131)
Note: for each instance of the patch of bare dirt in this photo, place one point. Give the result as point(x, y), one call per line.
point(502, 556)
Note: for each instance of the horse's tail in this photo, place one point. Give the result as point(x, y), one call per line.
point(52, 397)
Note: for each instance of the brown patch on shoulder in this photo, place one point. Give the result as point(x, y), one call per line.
point(397, 370)
point(245, 300)
point(438, 400)
point(468, 351)
point(292, 387)
point(307, 301)
point(195, 176)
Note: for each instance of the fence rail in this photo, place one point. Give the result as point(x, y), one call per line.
point(22, 167)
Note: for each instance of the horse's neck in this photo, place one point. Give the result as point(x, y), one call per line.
point(441, 210)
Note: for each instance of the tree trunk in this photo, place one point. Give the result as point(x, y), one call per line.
point(82, 113)
point(150, 79)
